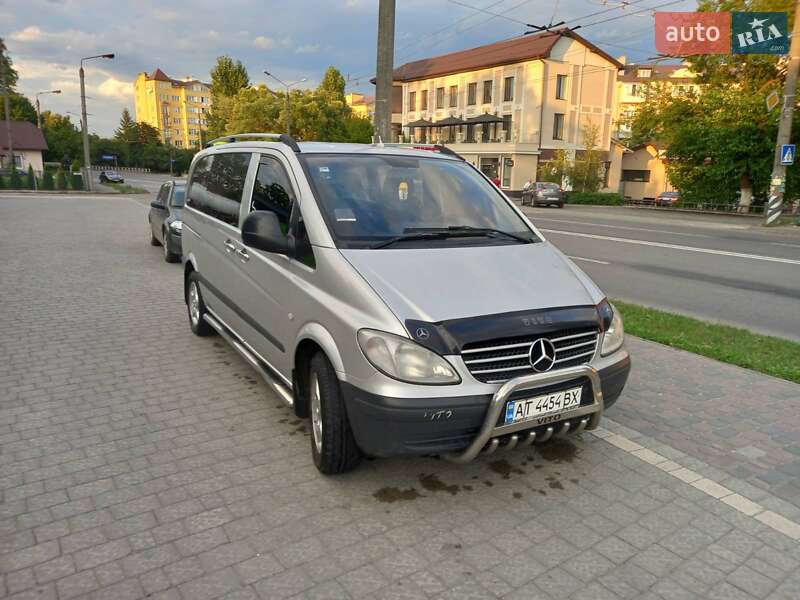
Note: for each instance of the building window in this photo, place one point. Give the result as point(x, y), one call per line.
point(508, 89)
point(424, 100)
point(507, 128)
point(412, 101)
point(487, 91)
point(635, 175)
point(636, 89)
point(440, 97)
point(176, 98)
point(508, 164)
point(164, 97)
point(644, 73)
point(177, 109)
point(558, 126)
point(453, 96)
point(472, 94)
point(561, 87)
point(179, 143)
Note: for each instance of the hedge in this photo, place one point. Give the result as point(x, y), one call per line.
point(598, 198)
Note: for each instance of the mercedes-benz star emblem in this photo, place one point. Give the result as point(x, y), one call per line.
point(422, 333)
point(542, 355)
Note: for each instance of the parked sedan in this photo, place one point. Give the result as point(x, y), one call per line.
point(111, 177)
point(668, 199)
point(166, 219)
point(543, 193)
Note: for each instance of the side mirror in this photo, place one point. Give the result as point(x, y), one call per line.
point(262, 230)
point(155, 204)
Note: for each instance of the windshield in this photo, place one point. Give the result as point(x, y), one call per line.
point(374, 198)
point(179, 196)
point(548, 186)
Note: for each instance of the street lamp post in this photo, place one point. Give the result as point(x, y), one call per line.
point(38, 107)
point(288, 107)
point(87, 172)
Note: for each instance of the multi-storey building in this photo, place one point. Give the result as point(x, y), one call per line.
point(636, 81)
point(361, 105)
point(176, 107)
point(509, 106)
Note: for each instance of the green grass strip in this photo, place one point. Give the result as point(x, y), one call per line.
point(763, 353)
point(124, 188)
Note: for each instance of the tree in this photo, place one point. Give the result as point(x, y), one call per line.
point(584, 174)
point(127, 130)
point(21, 109)
point(8, 75)
point(30, 179)
point(557, 169)
point(61, 179)
point(47, 180)
point(332, 85)
point(75, 177)
point(63, 138)
point(357, 130)
point(15, 181)
point(228, 77)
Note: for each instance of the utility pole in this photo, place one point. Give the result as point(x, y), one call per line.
point(384, 71)
point(87, 160)
point(287, 106)
point(774, 207)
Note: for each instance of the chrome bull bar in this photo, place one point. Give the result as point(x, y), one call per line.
point(575, 420)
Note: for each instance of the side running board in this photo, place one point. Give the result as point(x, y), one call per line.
point(260, 365)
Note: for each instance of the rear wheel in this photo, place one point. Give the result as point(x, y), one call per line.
point(197, 308)
point(333, 446)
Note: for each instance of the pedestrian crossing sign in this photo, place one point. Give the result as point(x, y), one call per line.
point(787, 154)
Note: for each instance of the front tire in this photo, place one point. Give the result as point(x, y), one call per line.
point(333, 446)
point(197, 308)
point(169, 256)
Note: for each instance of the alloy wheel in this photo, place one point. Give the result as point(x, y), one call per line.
point(194, 303)
point(316, 412)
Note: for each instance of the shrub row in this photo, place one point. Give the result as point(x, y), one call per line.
point(599, 198)
point(16, 181)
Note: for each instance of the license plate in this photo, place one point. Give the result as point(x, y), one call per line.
point(530, 408)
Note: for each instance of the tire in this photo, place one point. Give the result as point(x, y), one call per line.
point(333, 446)
point(560, 205)
point(169, 257)
point(196, 307)
point(153, 239)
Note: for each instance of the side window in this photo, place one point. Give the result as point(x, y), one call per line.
point(273, 192)
point(217, 185)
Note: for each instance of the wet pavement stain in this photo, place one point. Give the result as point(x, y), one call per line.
point(559, 451)
point(517, 495)
point(505, 468)
point(488, 483)
point(542, 492)
point(573, 480)
point(554, 483)
point(218, 345)
point(467, 487)
point(432, 483)
point(393, 494)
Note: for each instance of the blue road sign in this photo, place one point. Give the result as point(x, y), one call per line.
point(108, 157)
point(787, 154)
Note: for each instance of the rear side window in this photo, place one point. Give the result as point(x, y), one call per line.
point(273, 192)
point(217, 185)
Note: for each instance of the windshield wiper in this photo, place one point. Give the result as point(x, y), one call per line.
point(441, 233)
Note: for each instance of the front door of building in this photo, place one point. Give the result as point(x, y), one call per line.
point(490, 166)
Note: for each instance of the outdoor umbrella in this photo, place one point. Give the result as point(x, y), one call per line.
point(419, 123)
point(449, 122)
point(485, 119)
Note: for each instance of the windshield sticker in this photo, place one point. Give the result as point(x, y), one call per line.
point(344, 215)
point(324, 170)
point(402, 191)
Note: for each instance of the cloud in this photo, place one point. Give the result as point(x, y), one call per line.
point(114, 88)
point(307, 49)
point(29, 34)
point(267, 43)
point(165, 14)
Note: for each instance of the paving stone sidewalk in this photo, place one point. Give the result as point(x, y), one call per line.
point(138, 461)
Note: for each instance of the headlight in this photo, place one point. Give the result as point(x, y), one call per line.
point(402, 359)
point(614, 333)
point(176, 226)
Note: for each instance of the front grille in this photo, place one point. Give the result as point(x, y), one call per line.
point(497, 361)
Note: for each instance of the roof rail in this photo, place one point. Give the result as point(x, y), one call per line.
point(281, 137)
point(440, 148)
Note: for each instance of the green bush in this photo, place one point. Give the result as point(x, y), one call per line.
point(76, 182)
point(30, 179)
point(2, 182)
point(597, 198)
point(61, 180)
point(16, 180)
point(47, 181)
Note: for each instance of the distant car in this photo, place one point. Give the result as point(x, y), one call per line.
point(668, 199)
point(543, 193)
point(166, 219)
point(111, 177)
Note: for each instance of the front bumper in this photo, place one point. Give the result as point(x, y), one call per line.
point(462, 427)
point(173, 241)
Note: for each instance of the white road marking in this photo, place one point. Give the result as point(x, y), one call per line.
point(784, 244)
point(788, 261)
point(701, 235)
point(591, 260)
point(744, 505)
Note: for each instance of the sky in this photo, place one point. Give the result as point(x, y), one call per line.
point(291, 38)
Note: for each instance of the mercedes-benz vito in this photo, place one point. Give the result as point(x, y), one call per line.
point(396, 297)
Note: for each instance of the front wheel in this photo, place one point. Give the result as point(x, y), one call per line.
point(333, 446)
point(197, 308)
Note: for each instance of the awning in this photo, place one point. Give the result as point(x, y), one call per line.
point(484, 119)
point(449, 122)
point(419, 123)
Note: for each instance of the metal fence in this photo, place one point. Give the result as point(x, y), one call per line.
point(707, 207)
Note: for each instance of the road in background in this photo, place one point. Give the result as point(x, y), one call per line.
point(718, 268)
point(149, 181)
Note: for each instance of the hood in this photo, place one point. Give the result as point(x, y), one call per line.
point(437, 284)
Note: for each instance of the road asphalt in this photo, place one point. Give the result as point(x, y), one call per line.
point(718, 268)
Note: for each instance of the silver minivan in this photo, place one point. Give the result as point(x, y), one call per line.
point(396, 297)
